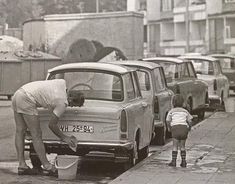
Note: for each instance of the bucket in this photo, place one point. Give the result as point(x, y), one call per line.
point(67, 166)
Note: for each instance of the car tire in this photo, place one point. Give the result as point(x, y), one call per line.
point(144, 153)
point(201, 114)
point(133, 156)
point(160, 137)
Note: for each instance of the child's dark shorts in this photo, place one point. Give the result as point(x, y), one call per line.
point(179, 132)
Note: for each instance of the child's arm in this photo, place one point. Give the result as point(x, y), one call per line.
point(189, 124)
point(168, 122)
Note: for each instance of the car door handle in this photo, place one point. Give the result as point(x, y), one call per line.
point(144, 104)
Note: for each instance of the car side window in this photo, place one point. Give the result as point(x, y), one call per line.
point(137, 85)
point(159, 80)
point(191, 70)
point(182, 71)
point(217, 68)
point(144, 80)
point(129, 86)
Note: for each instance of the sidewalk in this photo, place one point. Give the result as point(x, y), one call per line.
point(210, 157)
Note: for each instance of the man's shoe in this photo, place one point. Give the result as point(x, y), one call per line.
point(26, 171)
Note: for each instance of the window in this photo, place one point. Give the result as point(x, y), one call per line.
point(170, 70)
point(182, 70)
point(129, 86)
point(144, 80)
point(217, 68)
point(137, 86)
point(191, 70)
point(166, 5)
point(229, 1)
point(203, 67)
point(159, 80)
point(94, 85)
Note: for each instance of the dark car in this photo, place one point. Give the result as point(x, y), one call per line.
point(182, 79)
point(227, 62)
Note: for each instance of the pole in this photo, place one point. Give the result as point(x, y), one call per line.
point(187, 27)
point(97, 6)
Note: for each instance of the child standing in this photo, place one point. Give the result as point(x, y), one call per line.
point(179, 123)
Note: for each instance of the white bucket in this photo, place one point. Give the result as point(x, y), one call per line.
point(67, 166)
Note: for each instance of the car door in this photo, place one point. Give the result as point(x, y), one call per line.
point(163, 94)
point(138, 111)
point(199, 88)
point(222, 81)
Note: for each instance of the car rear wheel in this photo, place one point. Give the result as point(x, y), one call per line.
point(133, 156)
point(160, 137)
point(144, 153)
point(201, 114)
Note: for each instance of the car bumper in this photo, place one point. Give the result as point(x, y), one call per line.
point(158, 123)
point(119, 149)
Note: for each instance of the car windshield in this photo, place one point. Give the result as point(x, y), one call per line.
point(94, 85)
point(227, 63)
point(203, 67)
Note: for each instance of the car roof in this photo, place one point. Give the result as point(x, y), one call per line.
point(168, 59)
point(93, 66)
point(142, 64)
point(222, 55)
point(208, 58)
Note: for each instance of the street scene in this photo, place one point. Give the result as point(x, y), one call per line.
point(117, 91)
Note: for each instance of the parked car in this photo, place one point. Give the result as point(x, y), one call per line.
point(115, 118)
point(154, 88)
point(181, 79)
point(209, 69)
point(227, 62)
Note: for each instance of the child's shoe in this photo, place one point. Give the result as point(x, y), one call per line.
point(183, 163)
point(172, 163)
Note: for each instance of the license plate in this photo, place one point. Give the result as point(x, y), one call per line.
point(77, 128)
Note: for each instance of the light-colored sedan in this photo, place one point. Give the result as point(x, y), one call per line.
point(154, 88)
point(181, 79)
point(209, 69)
point(115, 119)
point(227, 62)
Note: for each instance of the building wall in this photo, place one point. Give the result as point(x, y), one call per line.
point(153, 10)
point(34, 34)
point(214, 6)
point(123, 30)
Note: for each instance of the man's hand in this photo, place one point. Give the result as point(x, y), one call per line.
point(71, 141)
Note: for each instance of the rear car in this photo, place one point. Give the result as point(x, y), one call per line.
point(209, 70)
point(154, 88)
point(115, 119)
point(227, 62)
point(181, 79)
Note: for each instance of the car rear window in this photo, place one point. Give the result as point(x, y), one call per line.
point(94, 85)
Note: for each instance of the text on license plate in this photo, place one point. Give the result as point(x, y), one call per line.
point(77, 128)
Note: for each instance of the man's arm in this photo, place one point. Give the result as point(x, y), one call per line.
point(53, 125)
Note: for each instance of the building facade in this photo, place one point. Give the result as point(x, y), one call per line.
point(179, 26)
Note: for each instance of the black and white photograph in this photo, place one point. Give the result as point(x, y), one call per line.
point(117, 91)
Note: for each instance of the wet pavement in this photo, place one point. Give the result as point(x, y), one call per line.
point(210, 157)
